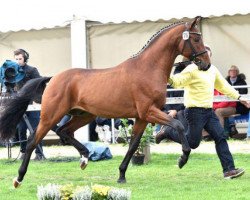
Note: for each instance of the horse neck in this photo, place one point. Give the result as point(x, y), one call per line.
point(163, 52)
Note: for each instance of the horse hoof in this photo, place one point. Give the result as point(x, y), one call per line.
point(16, 183)
point(83, 162)
point(181, 162)
point(121, 180)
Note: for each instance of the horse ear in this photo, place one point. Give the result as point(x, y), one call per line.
point(195, 22)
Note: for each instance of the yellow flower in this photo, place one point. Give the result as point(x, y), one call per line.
point(100, 189)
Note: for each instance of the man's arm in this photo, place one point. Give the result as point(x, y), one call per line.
point(244, 101)
point(180, 80)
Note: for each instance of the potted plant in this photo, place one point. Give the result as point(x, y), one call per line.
point(142, 154)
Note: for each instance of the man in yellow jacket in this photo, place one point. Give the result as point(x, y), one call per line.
point(199, 88)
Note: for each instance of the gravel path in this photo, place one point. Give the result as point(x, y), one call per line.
point(118, 149)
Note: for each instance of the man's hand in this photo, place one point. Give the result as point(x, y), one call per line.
point(172, 113)
point(244, 101)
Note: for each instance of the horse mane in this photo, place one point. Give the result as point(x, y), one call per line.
point(156, 35)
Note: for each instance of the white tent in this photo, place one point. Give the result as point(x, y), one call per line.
point(54, 32)
point(29, 14)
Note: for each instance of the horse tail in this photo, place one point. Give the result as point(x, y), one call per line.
point(14, 109)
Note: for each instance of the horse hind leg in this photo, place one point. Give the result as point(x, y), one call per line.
point(67, 132)
point(137, 132)
point(23, 168)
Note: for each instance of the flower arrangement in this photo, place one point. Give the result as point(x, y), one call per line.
point(147, 138)
point(49, 192)
point(69, 192)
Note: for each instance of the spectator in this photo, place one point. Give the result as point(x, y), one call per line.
point(199, 84)
point(235, 78)
point(248, 129)
point(223, 110)
point(93, 135)
point(22, 56)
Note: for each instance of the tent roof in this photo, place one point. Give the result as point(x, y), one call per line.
point(30, 14)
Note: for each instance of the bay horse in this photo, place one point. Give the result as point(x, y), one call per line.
point(136, 88)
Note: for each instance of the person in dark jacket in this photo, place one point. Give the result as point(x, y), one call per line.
point(21, 56)
point(235, 78)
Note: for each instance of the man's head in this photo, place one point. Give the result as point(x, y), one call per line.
point(21, 56)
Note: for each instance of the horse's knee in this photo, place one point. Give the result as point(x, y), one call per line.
point(31, 145)
point(177, 125)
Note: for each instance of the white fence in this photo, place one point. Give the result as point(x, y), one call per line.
point(176, 100)
point(170, 100)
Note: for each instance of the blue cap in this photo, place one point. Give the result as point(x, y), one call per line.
point(11, 72)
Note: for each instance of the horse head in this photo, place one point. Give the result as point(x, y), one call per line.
point(192, 46)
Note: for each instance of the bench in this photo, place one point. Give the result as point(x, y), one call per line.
point(242, 123)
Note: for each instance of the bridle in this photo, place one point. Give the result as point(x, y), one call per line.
point(194, 54)
point(186, 37)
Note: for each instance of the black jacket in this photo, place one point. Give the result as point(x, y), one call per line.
point(240, 108)
point(30, 73)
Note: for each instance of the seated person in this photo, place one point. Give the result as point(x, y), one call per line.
point(248, 128)
point(236, 78)
point(224, 109)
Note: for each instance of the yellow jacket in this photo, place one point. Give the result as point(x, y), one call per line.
point(199, 86)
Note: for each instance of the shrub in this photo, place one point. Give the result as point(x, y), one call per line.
point(49, 192)
point(82, 193)
point(69, 192)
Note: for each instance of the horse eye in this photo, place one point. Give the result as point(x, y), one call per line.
point(196, 60)
point(197, 39)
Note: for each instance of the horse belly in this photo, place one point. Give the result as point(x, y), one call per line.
point(110, 109)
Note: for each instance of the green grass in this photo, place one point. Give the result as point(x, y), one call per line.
point(201, 178)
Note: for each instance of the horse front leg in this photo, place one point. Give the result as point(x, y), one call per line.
point(137, 132)
point(155, 115)
point(31, 145)
point(183, 158)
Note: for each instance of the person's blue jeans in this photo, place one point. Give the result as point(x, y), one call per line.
point(248, 128)
point(199, 118)
point(33, 117)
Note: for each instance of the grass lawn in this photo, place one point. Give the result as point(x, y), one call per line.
point(201, 178)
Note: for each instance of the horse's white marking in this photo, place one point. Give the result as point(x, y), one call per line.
point(15, 182)
point(83, 159)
